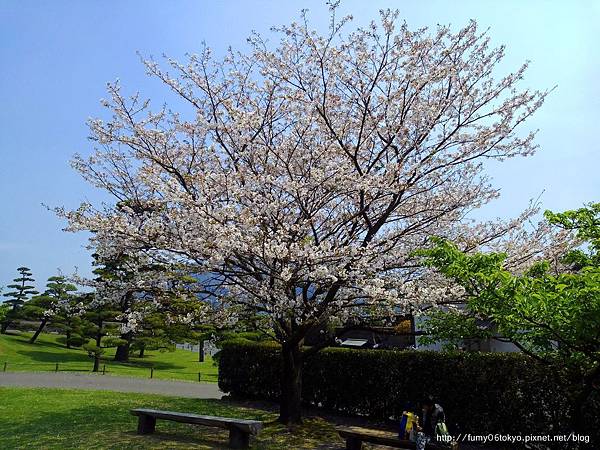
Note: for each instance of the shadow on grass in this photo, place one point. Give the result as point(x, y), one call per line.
point(47, 357)
point(147, 364)
point(113, 428)
point(94, 424)
point(197, 437)
point(23, 339)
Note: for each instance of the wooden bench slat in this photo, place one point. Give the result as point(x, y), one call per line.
point(356, 435)
point(375, 437)
point(239, 429)
point(249, 426)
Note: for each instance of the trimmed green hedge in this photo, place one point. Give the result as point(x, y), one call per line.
point(481, 392)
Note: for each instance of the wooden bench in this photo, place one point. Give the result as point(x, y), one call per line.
point(239, 429)
point(355, 436)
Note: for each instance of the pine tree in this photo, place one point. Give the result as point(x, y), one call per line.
point(99, 326)
point(46, 306)
point(68, 318)
point(22, 290)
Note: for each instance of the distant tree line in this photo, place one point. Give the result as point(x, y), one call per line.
point(128, 318)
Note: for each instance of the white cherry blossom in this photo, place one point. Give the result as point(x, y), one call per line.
point(304, 174)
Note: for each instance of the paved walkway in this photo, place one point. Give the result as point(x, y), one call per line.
point(110, 383)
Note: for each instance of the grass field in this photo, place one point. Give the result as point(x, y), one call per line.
point(72, 419)
point(47, 351)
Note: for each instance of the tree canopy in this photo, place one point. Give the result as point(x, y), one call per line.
point(309, 171)
point(551, 311)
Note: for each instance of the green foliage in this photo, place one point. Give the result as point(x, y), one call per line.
point(77, 340)
point(233, 337)
point(453, 328)
point(156, 333)
point(155, 330)
point(229, 336)
point(50, 306)
point(4, 309)
point(153, 343)
point(113, 341)
point(481, 392)
point(93, 350)
point(546, 314)
point(585, 222)
point(21, 291)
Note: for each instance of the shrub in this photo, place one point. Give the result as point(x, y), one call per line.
point(480, 392)
point(75, 340)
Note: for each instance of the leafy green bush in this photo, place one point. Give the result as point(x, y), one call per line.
point(481, 392)
point(240, 336)
point(229, 338)
point(93, 350)
point(76, 340)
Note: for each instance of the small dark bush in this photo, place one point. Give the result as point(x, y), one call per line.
point(74, 341)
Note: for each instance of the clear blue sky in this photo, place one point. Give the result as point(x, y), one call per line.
point(55, 58)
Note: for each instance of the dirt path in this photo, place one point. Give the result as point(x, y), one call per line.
point(110, 383)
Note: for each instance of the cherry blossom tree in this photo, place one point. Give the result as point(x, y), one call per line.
point(307, 172)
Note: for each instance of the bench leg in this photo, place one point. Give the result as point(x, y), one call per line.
point(146, 425)
point(353, 444)
point(238, 439)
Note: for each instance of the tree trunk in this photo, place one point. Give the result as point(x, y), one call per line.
point(291, 385)
point(99, 345)
point(99, 334)
point(38, 331)
point(68, 334)
point(142, 348)
point(122, 353)
point(201, 350)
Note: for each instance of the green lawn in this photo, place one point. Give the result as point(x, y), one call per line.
point(47, 351)
point(78, 419)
